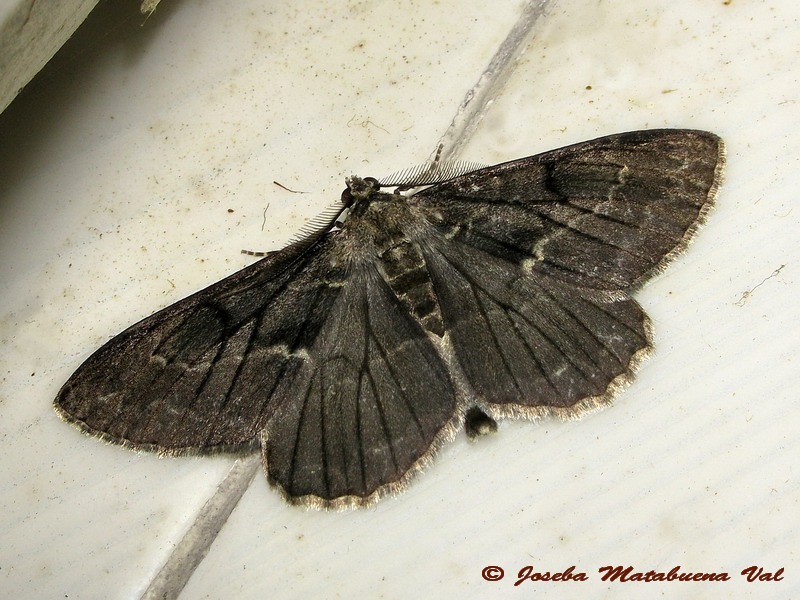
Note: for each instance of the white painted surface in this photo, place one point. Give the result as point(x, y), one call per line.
point(30, 34)
point(116, 181)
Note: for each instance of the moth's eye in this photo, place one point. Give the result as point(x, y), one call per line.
point(373, 183)
point(347, 197)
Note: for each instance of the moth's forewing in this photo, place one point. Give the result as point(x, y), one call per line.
point(604, 214)
point(196, 376)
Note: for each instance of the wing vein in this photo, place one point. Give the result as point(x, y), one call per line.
point(378, 403)
point(300, 419)
point(507, 307)
point(591, 237)
point(325, 474)
point(624, 324)
point(396, 379)
point(503, 358)
point(605, 217)
point(532, 354)
point(361, 461)
point(226, 396)
point(583, 326)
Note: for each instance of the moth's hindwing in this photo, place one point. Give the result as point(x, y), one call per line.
point(366, 410)
point(530, 344)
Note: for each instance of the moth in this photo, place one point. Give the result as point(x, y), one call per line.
point(350, 357)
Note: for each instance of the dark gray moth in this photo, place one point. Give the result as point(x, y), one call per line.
point(351, 356)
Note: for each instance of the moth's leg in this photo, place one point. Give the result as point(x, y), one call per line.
point(477, 423)
point(260, 254)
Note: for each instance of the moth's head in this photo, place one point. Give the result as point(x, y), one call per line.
point(359, 189)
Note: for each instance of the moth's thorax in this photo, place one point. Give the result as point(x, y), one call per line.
point(377, 219)
point(383, 231)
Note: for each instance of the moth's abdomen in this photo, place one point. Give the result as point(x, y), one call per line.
point(407, 275)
